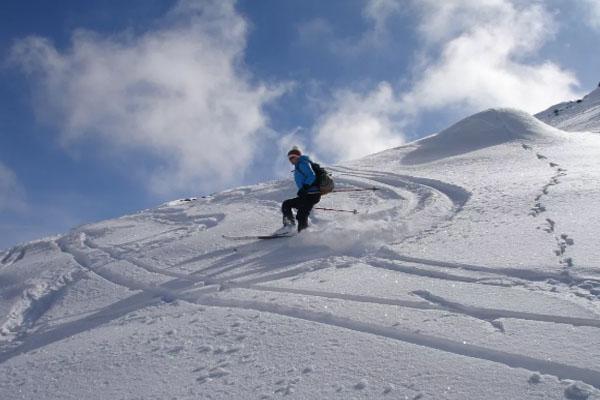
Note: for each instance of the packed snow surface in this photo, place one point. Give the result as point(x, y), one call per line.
point(472, 273)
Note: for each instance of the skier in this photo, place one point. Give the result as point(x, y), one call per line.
point(309, 193)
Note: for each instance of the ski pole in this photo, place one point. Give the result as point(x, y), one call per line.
point(336, 209)
point(344, 190)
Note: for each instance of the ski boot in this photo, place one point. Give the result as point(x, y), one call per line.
point(288, 228)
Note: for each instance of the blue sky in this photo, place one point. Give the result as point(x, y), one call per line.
point(110, 107)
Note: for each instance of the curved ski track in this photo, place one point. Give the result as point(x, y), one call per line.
point(439, 202)
point(426, 191)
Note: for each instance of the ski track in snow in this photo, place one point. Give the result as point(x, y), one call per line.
point(441, 200)
point(432, 303)
point(425, 190)
point(36, 296)
point(517, 276)
point(17, 253)
point(119, 256)
point(13, 255)
point(75, 248)
point(34, 301)
point(491, 315)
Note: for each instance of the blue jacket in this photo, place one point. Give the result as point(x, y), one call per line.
point(304, 175)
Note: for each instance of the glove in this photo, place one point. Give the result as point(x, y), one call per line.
point(303, 191)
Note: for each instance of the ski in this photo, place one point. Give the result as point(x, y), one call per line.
point(254, 237)
point(346, 190)
point(336, 210)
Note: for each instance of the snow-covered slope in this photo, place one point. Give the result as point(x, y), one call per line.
point(579, 115)
point(471, 274)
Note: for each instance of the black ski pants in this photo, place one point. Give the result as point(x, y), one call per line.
point(304, 205)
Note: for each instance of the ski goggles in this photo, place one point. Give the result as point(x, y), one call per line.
point(292, 157)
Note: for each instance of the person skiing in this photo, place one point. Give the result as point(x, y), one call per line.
point(308, 194)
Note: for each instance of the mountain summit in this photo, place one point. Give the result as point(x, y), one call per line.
point(481, 130)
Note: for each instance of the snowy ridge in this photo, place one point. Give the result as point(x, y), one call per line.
point(579, 115)
point(471, 273)
point(484, 129)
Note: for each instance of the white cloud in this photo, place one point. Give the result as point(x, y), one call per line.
point(591, 9)
point(483, 57)
point(12, 194)
point(178, 93)
point(378, 12)
point(443, 21)
point(357, 125)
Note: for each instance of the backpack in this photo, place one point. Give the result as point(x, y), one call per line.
point(324, 180)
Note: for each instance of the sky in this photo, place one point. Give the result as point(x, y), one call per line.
point(110, 107)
